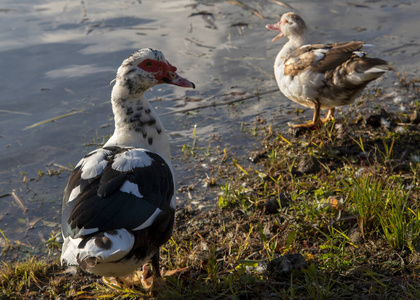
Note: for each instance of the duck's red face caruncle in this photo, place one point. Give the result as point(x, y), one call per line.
point(164, 72)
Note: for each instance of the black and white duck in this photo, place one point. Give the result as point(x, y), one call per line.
point(119, 202)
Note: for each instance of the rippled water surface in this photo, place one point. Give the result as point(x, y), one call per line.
point(58, 58)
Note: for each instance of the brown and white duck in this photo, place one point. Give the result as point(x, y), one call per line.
point(119, 202)
point(321, 76)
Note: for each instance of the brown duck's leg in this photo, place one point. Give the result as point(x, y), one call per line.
point(330, 115)
point(316, 121)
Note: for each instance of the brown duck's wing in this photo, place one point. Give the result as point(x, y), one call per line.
point(320, 58)
point(335, 55)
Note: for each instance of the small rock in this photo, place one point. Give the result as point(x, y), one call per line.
point(261, 267)
point(257, 156)
point(272, 205)
point(400, 129)
point(355, 235)
point(381, 119)
point(308, 165)
point(282, 266)
point(398, 99)
point(297, 132)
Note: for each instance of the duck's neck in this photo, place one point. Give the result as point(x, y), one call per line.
point(136, 123)
point(293, 43)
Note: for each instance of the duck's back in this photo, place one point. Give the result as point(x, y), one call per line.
point(118, 206)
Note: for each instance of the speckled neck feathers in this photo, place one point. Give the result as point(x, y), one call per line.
point(136, 123)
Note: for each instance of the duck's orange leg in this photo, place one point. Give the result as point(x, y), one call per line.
point(330, 115)
point(316, 120)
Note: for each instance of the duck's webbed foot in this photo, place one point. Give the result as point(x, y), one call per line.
point(329, 116)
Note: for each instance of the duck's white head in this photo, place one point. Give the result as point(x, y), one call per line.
point(146, 68)
point(290, 25)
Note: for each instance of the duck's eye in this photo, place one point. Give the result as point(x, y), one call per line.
point(149, 65)
point(286, 21)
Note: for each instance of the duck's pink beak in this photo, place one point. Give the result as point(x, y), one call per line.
point(173, 78)
point(275, 27)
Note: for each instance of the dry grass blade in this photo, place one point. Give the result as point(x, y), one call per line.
point(284, 139)
point(254, 11)
point(281, 3)
point(19, 202)
point(53, 119)
point(14, 112)
point(199, 44)
point(62, 167)
point(208, 17)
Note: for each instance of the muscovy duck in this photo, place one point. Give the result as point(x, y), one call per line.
point(119, 202)
point(321, 76)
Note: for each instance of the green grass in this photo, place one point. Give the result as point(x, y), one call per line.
point(384, 205)
point(22, 278)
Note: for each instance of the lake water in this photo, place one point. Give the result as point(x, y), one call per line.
point(58, 58)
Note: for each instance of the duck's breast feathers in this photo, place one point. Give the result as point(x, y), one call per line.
point(114, 188)
point(320, 58)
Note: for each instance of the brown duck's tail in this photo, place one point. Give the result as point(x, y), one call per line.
point(361, 70)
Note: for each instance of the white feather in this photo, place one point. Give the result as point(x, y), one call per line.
point(94, 164)
point(359, 54)
point(74, 193)
point(149, 221)
point(377, 69)
point(319, 54)
point(85, 231)
point(131, 159)
point(131, 188)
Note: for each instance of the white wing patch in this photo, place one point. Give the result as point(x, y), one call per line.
point(377, 69)
point(319, 54)
point(149, 221)
point(359, 54)
point(94, 164)
point(131, 188)
point(85, 231)
point(74, 193)
point(136, 158)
